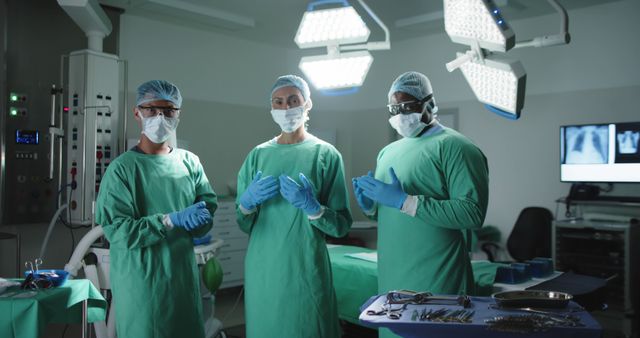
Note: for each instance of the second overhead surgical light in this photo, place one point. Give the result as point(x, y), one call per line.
point(339, 30)
point(497, 82)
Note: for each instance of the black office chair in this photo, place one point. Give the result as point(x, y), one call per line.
point(530, 237)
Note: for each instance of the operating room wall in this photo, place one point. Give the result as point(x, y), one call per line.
point(207, 66)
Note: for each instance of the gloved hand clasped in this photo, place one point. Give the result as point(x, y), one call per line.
point(365, 203)
point(192, 217)
point(390, 194)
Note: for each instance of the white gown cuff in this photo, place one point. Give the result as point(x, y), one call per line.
point(247, 211)
point(371, 212)
point(318, 215)
point(166, 221)
point(410, 206)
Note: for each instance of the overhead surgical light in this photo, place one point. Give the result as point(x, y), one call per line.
point(338, 29)
point(497, 82)
point(331, 26)
point(467, 22)
point(333, 72)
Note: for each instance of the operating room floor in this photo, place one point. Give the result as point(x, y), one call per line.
point(232, 318)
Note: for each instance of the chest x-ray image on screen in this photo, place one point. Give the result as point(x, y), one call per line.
point(587, 144)
point(600, 152)
point(627, 143)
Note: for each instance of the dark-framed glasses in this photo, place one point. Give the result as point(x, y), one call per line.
point(408, 107)
point(150, 111)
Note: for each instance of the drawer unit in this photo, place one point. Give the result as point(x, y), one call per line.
point(606, 250)
point(227, 232)
point(232, 252)
point(232, 263)
point(235, 244)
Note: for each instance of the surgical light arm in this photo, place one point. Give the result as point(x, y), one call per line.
point(473, 54)
point(375, 45)
point(561, 38)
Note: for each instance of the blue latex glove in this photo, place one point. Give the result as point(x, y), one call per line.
point(388, 194)
point(301, 197)
point(365, 203)
point(192, 217)
point(260, 190)
point(202, 240)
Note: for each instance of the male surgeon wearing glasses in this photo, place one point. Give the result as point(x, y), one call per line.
point(429, 187)
point(154, 199)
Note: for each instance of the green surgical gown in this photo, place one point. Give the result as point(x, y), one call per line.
point(154, 277)
point(449, 176)
point(288, 282)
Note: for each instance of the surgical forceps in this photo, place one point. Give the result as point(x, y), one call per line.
point(418, 298)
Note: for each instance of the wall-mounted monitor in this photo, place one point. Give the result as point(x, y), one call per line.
point(604, 152)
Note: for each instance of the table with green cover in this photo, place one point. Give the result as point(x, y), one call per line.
point(356, 280)
point(25, 313)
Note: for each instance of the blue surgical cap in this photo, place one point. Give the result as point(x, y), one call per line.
point(293, 81)
point(412, 83)
point(156, 90)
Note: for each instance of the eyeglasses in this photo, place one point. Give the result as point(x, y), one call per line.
point(150, 111)
point(408, 107)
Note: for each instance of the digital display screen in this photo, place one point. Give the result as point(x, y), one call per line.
point(600, 153)
point(27, 136)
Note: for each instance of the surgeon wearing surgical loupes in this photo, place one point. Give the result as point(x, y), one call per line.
point(291, 193)
point(429, 187)
point(153, 200)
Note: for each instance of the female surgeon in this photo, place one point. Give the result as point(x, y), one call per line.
point(291, 193)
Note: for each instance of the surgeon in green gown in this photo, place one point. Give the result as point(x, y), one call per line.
point(291, 194)
point(429, 188)
point(153, 200)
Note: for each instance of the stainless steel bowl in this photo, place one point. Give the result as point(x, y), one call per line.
point(532, 298)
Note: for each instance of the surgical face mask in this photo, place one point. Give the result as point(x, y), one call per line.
point(289, 119)
point(159, 128)
point(408, 125)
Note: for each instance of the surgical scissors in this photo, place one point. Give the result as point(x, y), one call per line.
point(29, 265)
point(388, 310)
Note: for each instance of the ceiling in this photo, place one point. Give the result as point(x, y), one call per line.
point(276, 21)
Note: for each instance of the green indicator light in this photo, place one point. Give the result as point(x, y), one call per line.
point(14, 98)
point(13, 112)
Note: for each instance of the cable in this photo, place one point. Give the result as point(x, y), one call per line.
point(53, 222)
point(224, 319)
point(70, 224)
point(73, 243)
